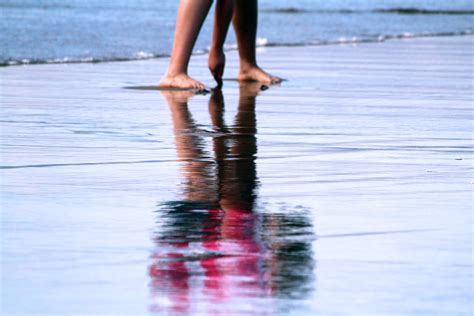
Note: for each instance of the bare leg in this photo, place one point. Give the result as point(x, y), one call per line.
point(222, 17)
point(191, 15)
point(245, 26)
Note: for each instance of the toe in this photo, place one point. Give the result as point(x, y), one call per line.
point(268, 80)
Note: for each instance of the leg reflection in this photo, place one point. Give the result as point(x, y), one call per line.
point(235, 154)
point(214, 245)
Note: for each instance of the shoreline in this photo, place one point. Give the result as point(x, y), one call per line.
point(200, 52)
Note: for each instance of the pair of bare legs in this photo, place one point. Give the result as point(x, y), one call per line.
point(191, 16)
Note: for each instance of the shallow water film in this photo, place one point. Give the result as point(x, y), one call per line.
point(346, 190)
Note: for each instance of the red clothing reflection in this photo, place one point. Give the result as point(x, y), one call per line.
point(212, 253)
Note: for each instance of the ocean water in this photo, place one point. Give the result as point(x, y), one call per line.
point(53, 31)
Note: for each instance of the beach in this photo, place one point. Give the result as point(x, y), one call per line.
point(346, 190)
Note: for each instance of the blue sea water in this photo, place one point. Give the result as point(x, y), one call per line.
point(41, 31)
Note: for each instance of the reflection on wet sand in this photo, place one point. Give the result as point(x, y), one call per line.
point(215, 248)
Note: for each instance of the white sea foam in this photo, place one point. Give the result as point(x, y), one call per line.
point(230, 46)
point(143, 55)
point(344, 40)
point(262, 41)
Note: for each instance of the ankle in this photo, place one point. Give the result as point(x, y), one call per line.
point(247, 65)
point(173, 72)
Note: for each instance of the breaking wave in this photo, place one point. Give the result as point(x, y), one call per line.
point(261, 42)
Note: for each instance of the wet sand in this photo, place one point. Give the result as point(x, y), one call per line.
point(346, 190)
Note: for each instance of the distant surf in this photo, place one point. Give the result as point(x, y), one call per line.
point(261, 42)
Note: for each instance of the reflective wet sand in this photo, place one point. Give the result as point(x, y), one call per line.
point(218, 247)
point(346, 190)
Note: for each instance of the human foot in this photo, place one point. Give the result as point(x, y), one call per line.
point(216, 62)
point(181, 81)
point(255, 73)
